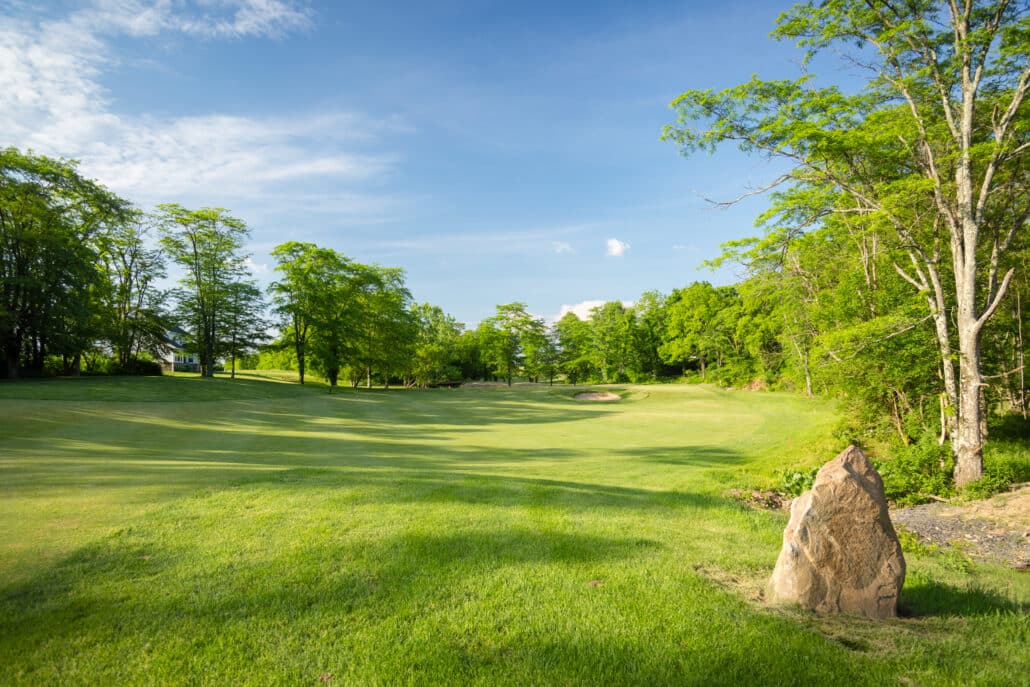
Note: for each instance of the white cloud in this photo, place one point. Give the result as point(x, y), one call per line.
point(585, 309)
point(616, 248)
point(254, 267)
point(205, 18)
point(51, 101)
point(561, 247)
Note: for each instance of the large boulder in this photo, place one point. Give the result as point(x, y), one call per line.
point(840, 553)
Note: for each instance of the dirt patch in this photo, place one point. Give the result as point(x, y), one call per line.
point(597, 396)
point(997, 529)
point(769, 500)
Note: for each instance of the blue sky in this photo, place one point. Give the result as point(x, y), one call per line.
point(497, 151)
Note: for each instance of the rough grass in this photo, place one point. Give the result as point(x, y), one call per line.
point(179, 530)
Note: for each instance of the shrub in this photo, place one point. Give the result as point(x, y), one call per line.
point(795, 481)
point(1006, 462)
point(916, 471)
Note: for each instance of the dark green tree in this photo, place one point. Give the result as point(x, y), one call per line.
point(50, 217)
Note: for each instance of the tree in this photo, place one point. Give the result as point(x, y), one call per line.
point(611, 326)
point(436, 355)
point(132, 316)
point(647, 330)
point(386, 328)
point(694, 328)
point(932, 155)
point(208, 244)
point(307, 271)
point(506, 331)
point(575, 358)
point(539, 355)
point(243, 326)
point(333, 314)
point(50, 216)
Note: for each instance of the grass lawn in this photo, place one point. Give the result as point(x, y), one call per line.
point(179, 530)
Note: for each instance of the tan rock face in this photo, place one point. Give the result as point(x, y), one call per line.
point(840, 553)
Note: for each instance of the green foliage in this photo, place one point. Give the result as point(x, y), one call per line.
point(1006, 459)
point(913, 472)
point(948, 558)
point(899, 212)
point(436, 356)
point(797, 480)
point(52, 221)
point(505, 337)
point(208, 245)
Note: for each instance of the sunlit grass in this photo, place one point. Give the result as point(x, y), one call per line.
point(180, 530)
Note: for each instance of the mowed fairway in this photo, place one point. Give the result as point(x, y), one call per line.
point(187, 531)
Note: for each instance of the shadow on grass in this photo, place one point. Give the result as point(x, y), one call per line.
point(467, 606)
point(147, 389)
point(935, 599)
point(702, 456)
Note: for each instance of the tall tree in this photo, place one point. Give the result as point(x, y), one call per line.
point(694, 328)
point(386, 328)
point(932, 153)
point(575, 341)
point(132, 317)
point(611, 325)
point(208, 244)
point(50, 216)
point(647, 330)
point(436, 355)
point(506, 331)
point(243, 326)
point(306, 271)
point(333, 312)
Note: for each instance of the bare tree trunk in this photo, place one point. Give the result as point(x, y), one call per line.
point(1020, 355)
point(967, 444)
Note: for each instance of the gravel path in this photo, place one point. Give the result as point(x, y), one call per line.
point(997, 529)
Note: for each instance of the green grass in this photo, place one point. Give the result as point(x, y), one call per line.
point(179, 530)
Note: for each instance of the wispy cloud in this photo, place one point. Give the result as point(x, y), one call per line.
point(52, 101)
point(209, 19)
point(616, 248)
point(486, 241)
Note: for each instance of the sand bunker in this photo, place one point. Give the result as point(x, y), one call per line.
point(597, 396)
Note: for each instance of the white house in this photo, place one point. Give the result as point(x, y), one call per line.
point(175, 355)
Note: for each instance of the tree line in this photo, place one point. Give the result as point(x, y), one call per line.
point(81, 275)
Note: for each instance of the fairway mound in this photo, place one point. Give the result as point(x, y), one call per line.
point(597, 396)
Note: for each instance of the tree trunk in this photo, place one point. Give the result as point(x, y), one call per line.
point(11, 362)
point(1019, 355)
point(368, 376)
point(967, 443)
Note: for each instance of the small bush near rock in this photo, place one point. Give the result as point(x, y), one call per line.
point(794, 481)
